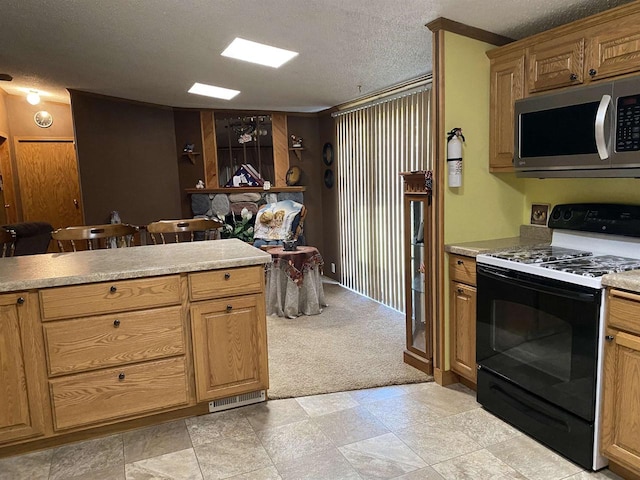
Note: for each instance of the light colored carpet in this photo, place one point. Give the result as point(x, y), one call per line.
point(354, 343)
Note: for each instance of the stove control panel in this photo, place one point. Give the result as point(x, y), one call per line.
point(611, 218)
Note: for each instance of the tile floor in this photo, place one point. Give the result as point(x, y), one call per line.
point(409, 432)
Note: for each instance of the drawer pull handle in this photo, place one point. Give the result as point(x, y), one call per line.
point(229, 308)
point(227, 276)
point(121, 376)
point(460, 291)
point(20, 300)
point(460, 262)
point(592, 72)
point(113, 289)
point(116, 323)
point(573, 77)
point(609, 338)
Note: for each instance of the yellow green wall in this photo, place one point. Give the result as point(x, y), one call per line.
point(486, 206)
point(574, 190)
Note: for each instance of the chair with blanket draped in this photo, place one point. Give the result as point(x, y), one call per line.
point(279, 221)
point(187, 230)
point(94, 237)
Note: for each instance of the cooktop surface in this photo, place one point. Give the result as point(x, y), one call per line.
point(594, 266)
point(538, 254)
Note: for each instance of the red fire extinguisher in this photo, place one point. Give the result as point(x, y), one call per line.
point(454, 157)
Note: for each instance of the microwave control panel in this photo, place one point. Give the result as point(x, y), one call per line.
point(628, 124)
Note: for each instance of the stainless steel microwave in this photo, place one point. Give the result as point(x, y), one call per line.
point(589, 131)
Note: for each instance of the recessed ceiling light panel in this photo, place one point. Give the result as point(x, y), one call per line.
point(258, 53)
point(213, 91)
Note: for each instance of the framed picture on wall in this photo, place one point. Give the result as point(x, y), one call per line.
point(539, 213)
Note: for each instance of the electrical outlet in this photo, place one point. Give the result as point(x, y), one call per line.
point(333, 268)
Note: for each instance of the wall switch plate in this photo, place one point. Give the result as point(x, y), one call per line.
point(333, 268)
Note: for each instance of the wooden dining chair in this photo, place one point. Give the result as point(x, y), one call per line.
point(94, 237)
point(7, 242)
point(170, 231)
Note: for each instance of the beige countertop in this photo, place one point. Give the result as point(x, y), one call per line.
point(625, 280)
point(58, 269)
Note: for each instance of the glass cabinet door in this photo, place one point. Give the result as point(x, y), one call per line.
point(416, 264)
point(418, 349)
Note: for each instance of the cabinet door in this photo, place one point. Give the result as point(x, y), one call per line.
point(614, 49)
point(21, 369)
point(230, 346)
point(556, 64)
point(621, 407)
point(507, 86)
point(463, 330)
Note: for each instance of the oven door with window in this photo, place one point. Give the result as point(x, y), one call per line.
point(537, 355)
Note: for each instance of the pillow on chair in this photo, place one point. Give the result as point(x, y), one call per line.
point(278, 221)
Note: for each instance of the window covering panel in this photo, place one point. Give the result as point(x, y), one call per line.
point(375, 142)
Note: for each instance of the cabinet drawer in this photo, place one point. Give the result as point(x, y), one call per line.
point(226, 282)
point(462, 269)
point(109, 297)
point(118, 393)
point(95, 342)
point(624, 311)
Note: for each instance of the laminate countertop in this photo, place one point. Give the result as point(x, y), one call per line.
point(624, 280)
point(60, 269)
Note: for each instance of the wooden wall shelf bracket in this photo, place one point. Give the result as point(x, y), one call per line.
point(297, 151)
point(191, 156)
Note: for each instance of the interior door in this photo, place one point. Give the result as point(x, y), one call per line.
point(49, 184)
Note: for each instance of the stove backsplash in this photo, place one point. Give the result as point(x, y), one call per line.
point(536, 232)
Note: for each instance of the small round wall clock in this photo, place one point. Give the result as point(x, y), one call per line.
point(43, 119)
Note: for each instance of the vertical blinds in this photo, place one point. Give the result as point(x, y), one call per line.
point(375, 142)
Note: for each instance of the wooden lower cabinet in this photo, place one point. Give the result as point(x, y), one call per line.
point(462, 316)
point(463, 330)
point(22, 412)
point(115, 393)
point(621, 405)
point(112, 356)
point(230, 346)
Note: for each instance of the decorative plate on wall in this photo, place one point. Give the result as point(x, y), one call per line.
point(328, 178)
point(293, 176)
point(327, 154)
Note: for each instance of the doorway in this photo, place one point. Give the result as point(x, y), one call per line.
point(48, 181)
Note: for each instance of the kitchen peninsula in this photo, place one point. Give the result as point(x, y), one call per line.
point(100, 341)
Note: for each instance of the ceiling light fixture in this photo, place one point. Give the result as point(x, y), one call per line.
point(33, 97)
point(213, 91)
point(260, 53)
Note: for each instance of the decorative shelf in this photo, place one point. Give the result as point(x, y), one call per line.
point(191, 156)
point(244, 190)
point(297, 151)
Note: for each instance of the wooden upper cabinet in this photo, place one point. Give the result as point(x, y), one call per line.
point(614, 49)
point(555, 64)
point(507, 86)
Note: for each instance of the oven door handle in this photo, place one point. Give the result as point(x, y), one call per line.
point(561, 292)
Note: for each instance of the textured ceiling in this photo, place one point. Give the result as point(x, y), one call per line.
point(154, 50)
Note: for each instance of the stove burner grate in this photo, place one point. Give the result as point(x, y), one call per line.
point(538, 254)
point(596, 266)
